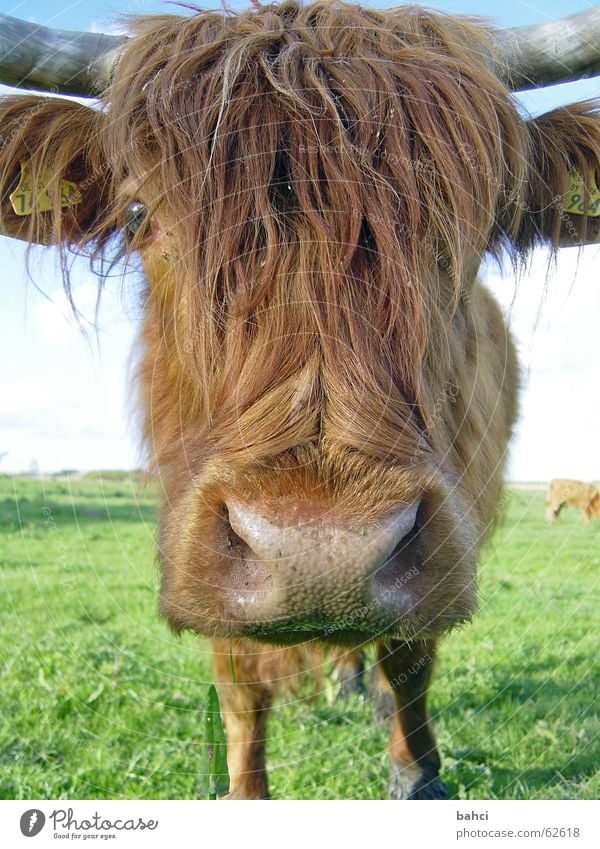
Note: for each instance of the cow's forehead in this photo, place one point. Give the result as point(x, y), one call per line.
point(295, 97)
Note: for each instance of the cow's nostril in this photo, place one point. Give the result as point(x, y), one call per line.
point(406, 529)
point(239, 546)
point(236, 544)
point(391, 582)
point(411, 534)
point(246, 574)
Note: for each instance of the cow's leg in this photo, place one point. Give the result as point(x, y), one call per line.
point(553, 509)
point(415, 760)
point(349, 672)
point(245, 703)
point(382, 696)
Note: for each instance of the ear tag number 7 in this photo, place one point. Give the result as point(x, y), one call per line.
point(24, 200)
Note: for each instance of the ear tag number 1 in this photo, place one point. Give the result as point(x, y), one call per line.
point(574, 201)
point(24, 200)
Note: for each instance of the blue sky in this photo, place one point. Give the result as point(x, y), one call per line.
point(64, 398)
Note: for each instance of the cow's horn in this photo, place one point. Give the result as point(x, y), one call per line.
point(37, 57)
point(44, 59)
point(554, 52)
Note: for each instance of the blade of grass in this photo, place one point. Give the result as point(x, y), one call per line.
point(231, 662)
point(215, 747)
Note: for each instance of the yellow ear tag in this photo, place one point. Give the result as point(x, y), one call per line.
point(25, 200)
point(574, 201)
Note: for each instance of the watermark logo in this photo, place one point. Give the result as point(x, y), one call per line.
point(32, 822)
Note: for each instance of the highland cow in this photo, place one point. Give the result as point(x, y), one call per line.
point(327, 389)
point(585, 496)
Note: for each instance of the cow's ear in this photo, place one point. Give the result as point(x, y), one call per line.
point(560, 205)
point(54, 183)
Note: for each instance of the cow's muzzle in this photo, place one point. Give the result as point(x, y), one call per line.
point(302, 573)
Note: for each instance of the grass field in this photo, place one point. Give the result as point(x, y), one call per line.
point(99, 700)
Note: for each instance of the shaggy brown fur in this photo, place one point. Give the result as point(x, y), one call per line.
point(321, 183)
point(585, 496)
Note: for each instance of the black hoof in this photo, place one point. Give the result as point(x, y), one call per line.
point(412, 782)
point(432, 789)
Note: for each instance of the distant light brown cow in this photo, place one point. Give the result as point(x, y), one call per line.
point(327, 390)
point(585, 496)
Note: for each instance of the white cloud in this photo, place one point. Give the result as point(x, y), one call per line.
point(63, 394)
point(554, 318)
point(108, 28)
point(63, 397)
point(54, 316)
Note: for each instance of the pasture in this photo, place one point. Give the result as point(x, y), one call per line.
point(100, 700)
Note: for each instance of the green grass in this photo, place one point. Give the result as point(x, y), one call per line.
point(99, 700)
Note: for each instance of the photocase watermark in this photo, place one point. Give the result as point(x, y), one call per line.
point(399, 582)
point(68, 579)
point(18, 126)
point(411, 670)
point(565, 219)
point(356, 619)
point(32, 822)
point(437, 416)
point(66, 826)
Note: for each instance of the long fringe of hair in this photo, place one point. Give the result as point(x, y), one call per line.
point(317, 175)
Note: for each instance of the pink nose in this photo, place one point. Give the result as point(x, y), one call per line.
point(313, 572)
